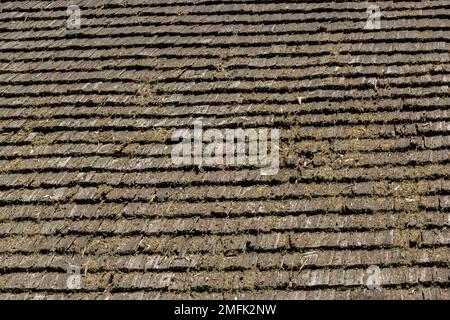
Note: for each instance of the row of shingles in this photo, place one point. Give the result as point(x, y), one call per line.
point(318, 95)
point(187, 69)
point(310, 86)
point(153, 76)
point(176, 250)
point(131, 243)
point(91, 243)
point(240, 247)
point(308, 109)
point(244, 261)
point(24, 243)
point(27, 6)
point(206, 66)
point(142, 18)
point(185, 53)
point(287, 116)
point(287, 86)
point(426, 128)
point(398, 151)
point(93, 97)
point(227, 41)
point(218, 199)
point(320, 154)
point(412, 218)
point(48, 43)
point(264, 208)
point(135, 175)
point(307, 168)
point(311, 111)
point(386, 53)
point(133, 236)
point(358, 198)
point(271, 23)
point(406, 189)
point(138, 86)
point(89, 93)
point(219, 282)
point(36, 6)
point(325, 174)
point(94, 28)
point(113, 163)
point(432, 123)
point(414, 292)
point(306, 148)
point(341, 156)
point(341, 126)
point(146, 91)
point(215, 9)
